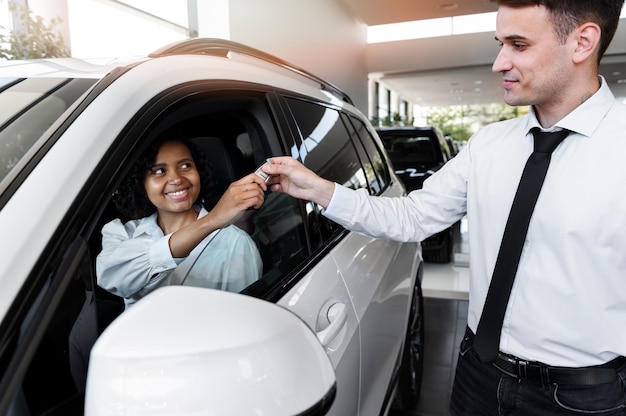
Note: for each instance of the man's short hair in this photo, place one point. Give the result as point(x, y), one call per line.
point(566, 15)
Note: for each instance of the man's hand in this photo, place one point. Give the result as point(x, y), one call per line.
point(293, 178)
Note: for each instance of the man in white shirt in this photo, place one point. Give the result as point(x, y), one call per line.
point(563, 339)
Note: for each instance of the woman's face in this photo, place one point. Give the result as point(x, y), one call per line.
point(173, 183)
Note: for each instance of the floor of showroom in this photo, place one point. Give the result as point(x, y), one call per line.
point(445, 288)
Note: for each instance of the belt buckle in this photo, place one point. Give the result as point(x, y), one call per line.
point(516, 368)
point(521, 369)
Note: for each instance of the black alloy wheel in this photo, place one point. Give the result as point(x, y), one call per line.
point(411, 369)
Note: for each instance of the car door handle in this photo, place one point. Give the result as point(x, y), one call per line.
point(337, 316)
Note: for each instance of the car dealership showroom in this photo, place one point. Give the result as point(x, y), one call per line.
point(158, 261)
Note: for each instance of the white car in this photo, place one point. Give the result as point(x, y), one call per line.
point(333, 326)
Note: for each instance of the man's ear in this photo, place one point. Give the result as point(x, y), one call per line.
point(587, 38)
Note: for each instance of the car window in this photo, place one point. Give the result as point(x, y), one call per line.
point(27, 108)
point(329, 144)
point(326, 145)
point(277, 229)
point(371, 157)
point(287, 231)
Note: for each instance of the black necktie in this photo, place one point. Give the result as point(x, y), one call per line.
point(487, 340)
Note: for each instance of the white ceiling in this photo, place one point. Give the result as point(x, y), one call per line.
point(451, 70)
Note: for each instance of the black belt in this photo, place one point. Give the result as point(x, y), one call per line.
point(547, 375)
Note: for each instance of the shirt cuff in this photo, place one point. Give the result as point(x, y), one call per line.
point(161, 256)
point(341, 205)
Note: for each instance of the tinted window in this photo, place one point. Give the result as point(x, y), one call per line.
point(27, 108)
point(371, 157)
point(330, 146)
point(326, 146)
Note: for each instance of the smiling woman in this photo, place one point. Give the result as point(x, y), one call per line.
point(163, 200)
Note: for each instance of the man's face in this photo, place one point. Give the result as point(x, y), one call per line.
point(533, 63)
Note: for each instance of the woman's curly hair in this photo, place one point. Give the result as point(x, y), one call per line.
point(131, 199)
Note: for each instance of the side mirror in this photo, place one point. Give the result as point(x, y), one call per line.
point(189, 351)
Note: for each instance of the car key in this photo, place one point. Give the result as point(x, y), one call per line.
point(261, 174)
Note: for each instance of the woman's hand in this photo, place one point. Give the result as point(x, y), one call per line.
point(247, 192)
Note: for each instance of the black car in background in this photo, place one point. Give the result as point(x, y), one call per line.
point(416, 153)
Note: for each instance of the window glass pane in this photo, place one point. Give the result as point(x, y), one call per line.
point(28, 109)
point(280, 235)
point(324, 134)
point(373, 160)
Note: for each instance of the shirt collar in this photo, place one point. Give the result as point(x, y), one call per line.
point(585, 118)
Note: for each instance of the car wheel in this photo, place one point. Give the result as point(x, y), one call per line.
point(443, 254)
point(411, 369)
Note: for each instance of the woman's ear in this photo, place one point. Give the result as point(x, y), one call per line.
point(587, 37)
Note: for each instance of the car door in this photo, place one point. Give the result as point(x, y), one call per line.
point(378, 274)
point(380, 280)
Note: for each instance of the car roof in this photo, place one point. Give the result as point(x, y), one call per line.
point(98, 68)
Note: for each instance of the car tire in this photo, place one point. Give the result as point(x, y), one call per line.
point(443, 254)
point(412, 366)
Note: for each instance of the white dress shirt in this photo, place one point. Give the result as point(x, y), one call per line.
point(568, 303)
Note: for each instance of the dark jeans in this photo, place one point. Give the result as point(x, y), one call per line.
point(481, 389)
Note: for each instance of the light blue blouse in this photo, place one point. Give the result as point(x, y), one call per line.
point(136, 259)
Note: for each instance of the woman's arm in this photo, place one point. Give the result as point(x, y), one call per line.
point(245, 193)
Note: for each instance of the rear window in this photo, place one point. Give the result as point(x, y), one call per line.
point(326, 146)
point(28, 107)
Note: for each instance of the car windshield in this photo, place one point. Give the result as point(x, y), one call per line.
point(28, 107)
point(410, 149)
